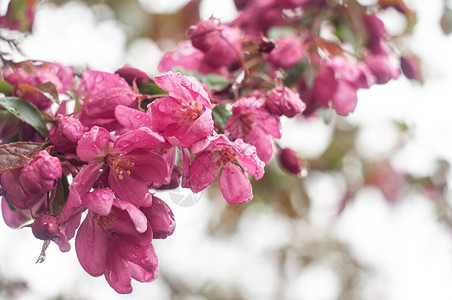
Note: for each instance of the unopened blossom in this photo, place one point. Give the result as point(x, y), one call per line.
point(133, 165)
point(27, 186)
point(255, 125)
point(410, 67)
point(65, 133)
point(287, 53)
point(289, 161)
point(220, 43)
point(40, 174)
point(132, 75)
point(376, 34)
point(283, 101)
point(185, 116)
point(101, 93)
point(230, 158)
point(45, 227)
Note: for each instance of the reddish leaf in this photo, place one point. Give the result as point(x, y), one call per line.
point(14, 155)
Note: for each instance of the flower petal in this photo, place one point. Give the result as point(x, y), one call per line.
point(234, 185)
point(91, 245)
point(93, 143)
point(117, 272)
point(131, 118)
point(142, 139)
point(203, 171)
point(160, 218)
point(99, 201)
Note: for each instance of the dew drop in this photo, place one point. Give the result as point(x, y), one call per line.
point(138, 117)
point(14, 111)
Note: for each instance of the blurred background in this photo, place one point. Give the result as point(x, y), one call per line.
point(371, 220)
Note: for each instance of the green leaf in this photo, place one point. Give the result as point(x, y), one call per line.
point(27, 112)
point(14, 155)
point(5, 87)
point(294, 73)
point(221, 115)
point(74, 96)
point(150, 88)
point(61, 195)
point(212, 81)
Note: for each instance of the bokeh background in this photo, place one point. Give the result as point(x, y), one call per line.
point(371, 220)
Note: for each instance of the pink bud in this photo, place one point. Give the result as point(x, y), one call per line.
point(284, 101)
point(39, 175)
point(288, 52)
point(65, 134)
point(160, 218)
point(290, 162)
point(132, 74)
point(410, 67)
point(45, 227)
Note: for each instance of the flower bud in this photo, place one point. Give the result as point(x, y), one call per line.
point(266, 45)
point(45, 227)
point(39, 174)
point(284, 101)
point(132, 74)
point(14, 191)
point(290, 162)
point(288, 52)
point(410, 67)
point(65, 133)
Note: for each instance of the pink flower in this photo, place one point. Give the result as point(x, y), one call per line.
point(62, 77)
point(185, 116)
point(226, 156)
point(189, 58)
point(381, 68)
point(65, 133)
point(220, 43)
point(133, 164)
point(337, 82)
point(102, 92)
point(283, 101)
point(115, 240)
point(254, 124)
point(288, 52)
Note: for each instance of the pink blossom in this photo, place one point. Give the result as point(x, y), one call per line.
point(381, 68)
point(283, 101)
point(288, 52)
point(185, 116)
point(65, 133)
point(220, 43)
point(133, 165)
point(226, 156)
point(102, 92)
point(337, 82)
point(189, 58)
point(253, 123)
point(62, 77)
point(115, 240)
point(45, 227)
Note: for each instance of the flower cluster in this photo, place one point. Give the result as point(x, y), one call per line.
point(82, 154)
